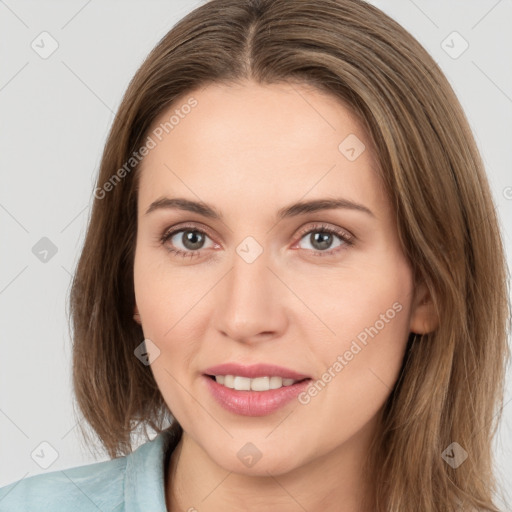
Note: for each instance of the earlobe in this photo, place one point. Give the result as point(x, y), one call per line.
point(136, 315)
point(424, 318)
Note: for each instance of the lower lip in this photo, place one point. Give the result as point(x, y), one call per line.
point(254, 403)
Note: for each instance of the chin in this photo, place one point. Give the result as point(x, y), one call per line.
point(250, 461)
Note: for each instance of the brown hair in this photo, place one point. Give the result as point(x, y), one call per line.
point(451, 384)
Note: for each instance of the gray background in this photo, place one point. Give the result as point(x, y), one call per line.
point(56, 113)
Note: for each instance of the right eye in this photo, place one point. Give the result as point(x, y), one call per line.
point(191, 239)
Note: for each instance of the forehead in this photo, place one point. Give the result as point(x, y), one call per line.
point(279, 140)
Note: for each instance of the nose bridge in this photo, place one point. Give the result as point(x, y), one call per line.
point(249, 304)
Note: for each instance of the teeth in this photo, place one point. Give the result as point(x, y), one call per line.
point(257, 384)
point(242, 384)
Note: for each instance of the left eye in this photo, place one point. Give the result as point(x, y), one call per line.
point(321, 239)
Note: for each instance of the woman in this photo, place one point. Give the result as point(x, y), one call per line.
point(293, 257)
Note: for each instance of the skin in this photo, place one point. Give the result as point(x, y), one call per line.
point(250, 150)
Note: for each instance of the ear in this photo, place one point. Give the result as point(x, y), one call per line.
point(136, 315)
point(424, 318)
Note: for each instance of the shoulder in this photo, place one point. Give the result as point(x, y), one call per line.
point(90, 487)
point(136, 479)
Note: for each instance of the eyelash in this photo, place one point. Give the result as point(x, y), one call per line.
point(344, 236)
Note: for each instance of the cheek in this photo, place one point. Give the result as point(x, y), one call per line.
point(363, 299)
point(362, 360)
point(365, 312)
point(369, 307)
point(164, 292)
point(170, 303)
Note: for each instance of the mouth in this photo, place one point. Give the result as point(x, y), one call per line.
point(257, 396)
point(258, 384)
point(253, 390)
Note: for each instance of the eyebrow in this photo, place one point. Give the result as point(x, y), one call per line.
point(293, 210)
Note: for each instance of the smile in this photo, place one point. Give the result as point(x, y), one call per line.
point(257, 384)
point(253, 396)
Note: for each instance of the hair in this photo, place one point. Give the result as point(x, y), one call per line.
point(451, 384)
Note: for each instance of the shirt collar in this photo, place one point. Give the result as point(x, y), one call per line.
point(144, 485)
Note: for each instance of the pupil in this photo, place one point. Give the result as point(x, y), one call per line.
point(192, 239)
point(324, 242)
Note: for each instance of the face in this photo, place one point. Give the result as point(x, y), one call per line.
point(323, 292)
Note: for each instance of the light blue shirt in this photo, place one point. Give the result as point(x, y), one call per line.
point(133, 483)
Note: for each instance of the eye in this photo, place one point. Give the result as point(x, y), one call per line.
point(191, 239)
point(321, 237)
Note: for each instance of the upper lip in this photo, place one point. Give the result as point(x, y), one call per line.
point(254, 370)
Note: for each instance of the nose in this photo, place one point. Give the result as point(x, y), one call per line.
point(250, 303)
